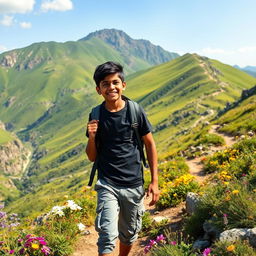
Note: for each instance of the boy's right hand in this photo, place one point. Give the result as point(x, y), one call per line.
point(92, 128)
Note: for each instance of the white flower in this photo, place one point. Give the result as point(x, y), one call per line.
point(81, 226)
point(73, 206)
point(57, 210)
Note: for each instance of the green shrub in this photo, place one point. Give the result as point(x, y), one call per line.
point(238, 248)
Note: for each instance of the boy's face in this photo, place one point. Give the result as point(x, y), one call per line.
point(111, 87)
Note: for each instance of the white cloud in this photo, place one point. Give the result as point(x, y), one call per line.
point(242, 56)
point(25, 25)
point(3, 48)
point(7, 21)
point(57, 5)
point(210, 50)
point(247, 49)
point(16, 6)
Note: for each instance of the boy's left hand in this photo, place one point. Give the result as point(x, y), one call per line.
point(153, 189)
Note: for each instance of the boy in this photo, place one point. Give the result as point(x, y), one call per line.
point(120, 179)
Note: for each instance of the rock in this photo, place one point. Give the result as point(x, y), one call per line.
point(192, 201)
point(250, 133)
point(211, 232)
point(252, 237)
point(234, 234)
point(201, 244)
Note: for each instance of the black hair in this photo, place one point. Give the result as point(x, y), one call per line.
point(106, 69)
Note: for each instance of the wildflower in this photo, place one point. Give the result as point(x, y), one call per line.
point(147, 249)
point(173, 242)
point(11, 251)
point(235, 192)
point(226, 183)
point(175, 195)
point(206, 251)
point(225, 219)
point(66, 196)
point(227, 198)
point(35, 246)
point(73, 206)
point(57, 210)
point(81, 226)
point(160, 238)
point(254, 190)
point(152, 243)
point(230, 248)
point(46, 250)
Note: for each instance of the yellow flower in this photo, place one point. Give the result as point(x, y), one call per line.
point(66, 196)
point(235, 192)
point(226, 183)
point(175, 195)
point(231, 248)
point(254, 190)
point(227, 198)
point(35, 246)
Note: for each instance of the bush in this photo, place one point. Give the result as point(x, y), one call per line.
point(238, 248)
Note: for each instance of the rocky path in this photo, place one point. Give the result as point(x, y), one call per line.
point(86, 245)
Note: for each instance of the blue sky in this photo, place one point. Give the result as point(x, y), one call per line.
point(220, 29)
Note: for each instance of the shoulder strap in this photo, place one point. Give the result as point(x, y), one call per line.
point(95, 115)
point(134, 111)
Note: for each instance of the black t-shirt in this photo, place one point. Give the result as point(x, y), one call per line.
point(119, 161)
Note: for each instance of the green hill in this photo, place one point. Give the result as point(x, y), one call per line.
point(178, 94)
point(240, 117)
point(47, 92)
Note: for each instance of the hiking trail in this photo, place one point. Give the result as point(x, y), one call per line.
point(87, 244)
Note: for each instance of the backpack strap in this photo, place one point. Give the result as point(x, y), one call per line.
point(134, 110)
point(95, 115)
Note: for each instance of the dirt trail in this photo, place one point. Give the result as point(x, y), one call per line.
point(86, 245)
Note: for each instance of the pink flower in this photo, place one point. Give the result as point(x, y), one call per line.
point(152, 243)
point(160, 238)
point(206, 251)
point(11, 251)
point(173, 242)
point(147, 249)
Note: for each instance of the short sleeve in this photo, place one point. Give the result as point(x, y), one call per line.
point(145, 126)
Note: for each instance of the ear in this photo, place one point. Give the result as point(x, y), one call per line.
point(124, 86)
point(98, 90)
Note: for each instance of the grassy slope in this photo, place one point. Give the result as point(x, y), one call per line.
point(5, 137)
point(182, 85)
point(189, 84)
point(241, 119)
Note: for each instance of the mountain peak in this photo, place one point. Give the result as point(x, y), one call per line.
point(123, 43)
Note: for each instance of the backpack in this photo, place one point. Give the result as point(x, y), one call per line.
point(134, 111)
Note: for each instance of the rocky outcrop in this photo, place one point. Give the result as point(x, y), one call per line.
point(14, 157)
point(9, 60)
point(240, 234)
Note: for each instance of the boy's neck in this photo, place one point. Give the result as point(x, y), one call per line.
point(114, 106)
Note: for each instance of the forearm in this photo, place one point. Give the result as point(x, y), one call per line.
point(91, 150)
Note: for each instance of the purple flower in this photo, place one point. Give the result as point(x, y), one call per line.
point(160, 238)
point(46, 250)
point(11, 251)
point(152, 243)
point(173, 242)
point(3, 215)
point(206, 251)
point(147, 249)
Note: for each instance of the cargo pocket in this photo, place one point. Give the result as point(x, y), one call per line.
point(99, 211)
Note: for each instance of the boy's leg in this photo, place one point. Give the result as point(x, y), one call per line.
point(130, 217)
point(107, 219)
point(124, 249)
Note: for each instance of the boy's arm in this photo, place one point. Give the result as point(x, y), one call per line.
point(152, 160)
point(91, 150)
